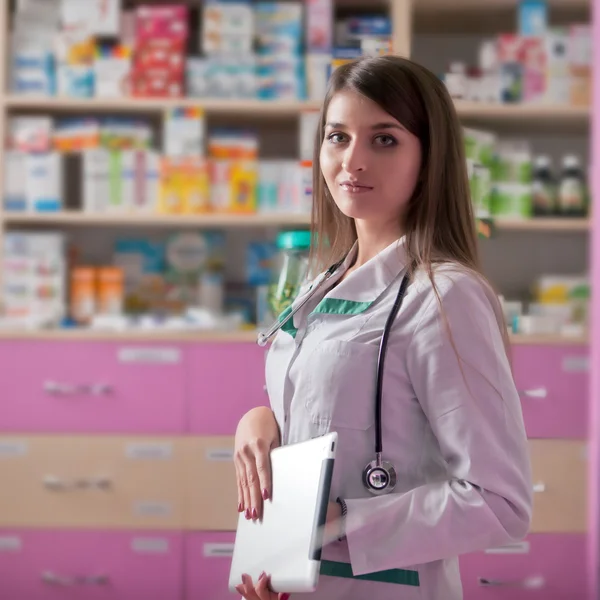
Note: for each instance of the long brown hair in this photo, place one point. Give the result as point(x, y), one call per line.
point(439, 223)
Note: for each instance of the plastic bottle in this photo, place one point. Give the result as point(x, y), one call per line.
point(571, 190)
point(290, 269)
point(543, 187)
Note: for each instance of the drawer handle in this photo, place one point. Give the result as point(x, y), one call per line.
point(534, 393)
point(60, 485)
point(66, 389)
point(539, 487)
point(530, 583)
point(54, 579)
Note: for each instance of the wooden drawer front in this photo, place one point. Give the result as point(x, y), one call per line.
point(74, 481)
point(208, 561)
point(92, 387)
point(560, 491)
point(228, 380)
point(211, 491)
point(543, 567)
point(90, 565)
point(553, 385)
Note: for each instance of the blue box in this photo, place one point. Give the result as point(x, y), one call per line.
point(533, 17)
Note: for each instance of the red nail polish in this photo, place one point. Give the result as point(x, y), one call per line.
point(254, 513)
point(240, 507)
point(247, 513)
point(285, 596)
point(265, 494)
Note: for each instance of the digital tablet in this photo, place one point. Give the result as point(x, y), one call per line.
point(286, 543)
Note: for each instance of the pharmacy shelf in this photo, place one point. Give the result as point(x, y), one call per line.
point(518, 114)
point(543, 224)
point(526, 116)
point(479, 6)
point(199, 336)
point(206, 336)
point(80, 219)
point(254, 108)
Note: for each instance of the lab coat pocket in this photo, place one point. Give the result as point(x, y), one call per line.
point(341, 388)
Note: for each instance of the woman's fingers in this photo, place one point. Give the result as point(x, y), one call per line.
point(263, 469)
point(252, 484)
point(240, 467)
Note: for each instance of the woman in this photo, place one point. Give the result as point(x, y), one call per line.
point(391, 195)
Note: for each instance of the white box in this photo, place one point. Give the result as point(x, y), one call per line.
point(99, 17)
point(15, 189)
point(95, 167)
point(44, 181)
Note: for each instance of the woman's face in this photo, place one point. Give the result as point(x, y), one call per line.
point(370, 162)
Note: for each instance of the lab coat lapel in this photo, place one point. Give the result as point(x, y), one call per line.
point(363, 287)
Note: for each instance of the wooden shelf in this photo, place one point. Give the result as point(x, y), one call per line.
point(543, 224)
point(80, 219)
point(243, 336)
point(525, 114)
point(197, 336)
point(254, 108)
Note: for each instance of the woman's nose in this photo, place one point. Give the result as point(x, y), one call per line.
point(355, 159)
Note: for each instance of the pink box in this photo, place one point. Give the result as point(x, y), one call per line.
point(543, 567)
point(169, 21)
point(92, 387)
point(553, 385)
point(90, 565)
point(208, 561)
point(228, 381)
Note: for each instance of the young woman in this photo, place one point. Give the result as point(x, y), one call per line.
point(391, 197)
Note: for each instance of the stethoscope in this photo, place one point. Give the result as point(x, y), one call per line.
point(379, 476)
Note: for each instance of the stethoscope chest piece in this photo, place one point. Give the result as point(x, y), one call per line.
point(379, 477)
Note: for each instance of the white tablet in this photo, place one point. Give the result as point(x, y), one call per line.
point(286, 543)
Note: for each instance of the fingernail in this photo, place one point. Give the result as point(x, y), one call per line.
point(254, 513)
point(240, 507)
point(285, 596)
point(247, 513)
point(265, 494)
point(245, 579)
point(262, 575)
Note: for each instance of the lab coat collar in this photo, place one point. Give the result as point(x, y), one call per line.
point(356, 293)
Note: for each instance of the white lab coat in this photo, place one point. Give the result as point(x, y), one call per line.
point(453, 430)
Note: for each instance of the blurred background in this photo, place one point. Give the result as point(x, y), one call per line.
point(156, 195)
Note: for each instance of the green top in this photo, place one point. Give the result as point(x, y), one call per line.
point(294, 240)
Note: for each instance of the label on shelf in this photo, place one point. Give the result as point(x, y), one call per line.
point(516, 548)
point(149, 508)
point(576, 364)
point(216, 550)
point(10, 543)
point(218, 454)
point(12, 448)
point(146, 545)
point(150, 355)
point(149, 451)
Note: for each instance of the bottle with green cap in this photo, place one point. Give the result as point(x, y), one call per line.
point(290, 269)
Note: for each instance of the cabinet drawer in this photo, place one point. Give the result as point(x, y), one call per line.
point(560, 492)
point(208, 561)
point(543, 567)
point(553, 385)
point(95, 482)
point(88, 565)
point(211, 490)
point(227, 380)
point(91, 387)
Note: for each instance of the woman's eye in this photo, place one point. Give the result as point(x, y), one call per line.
point(385, 140)
point(337, 138)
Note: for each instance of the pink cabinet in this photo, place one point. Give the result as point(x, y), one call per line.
point(553, 385)
point(544, 567)
point(90, 565)
point(207, 564)
point(91, 387)
point(226, 380)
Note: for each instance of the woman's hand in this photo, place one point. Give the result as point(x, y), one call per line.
point(257, 434)
point(260, 592)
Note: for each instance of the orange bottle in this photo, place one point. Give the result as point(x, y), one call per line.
point(110, 291)
point(83, 294)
